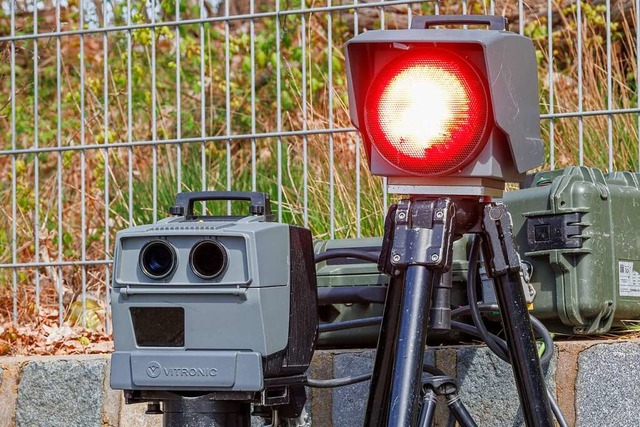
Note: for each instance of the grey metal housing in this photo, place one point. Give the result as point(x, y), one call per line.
point(508, 62)
point(232, 323)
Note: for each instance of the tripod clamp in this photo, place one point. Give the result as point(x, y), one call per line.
point(447, 386)
point(499, 251)
point(442, 385)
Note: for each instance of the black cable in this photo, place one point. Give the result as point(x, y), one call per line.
point(537, 325)
point(474, 257)
point(503, 355)
point(540, 329)
point(350, 324)
point(473, 330)
point(344, 381)
point(475, 310)
point(337, 382)
point(347, 253)
point(555, 408)
point(374, 321)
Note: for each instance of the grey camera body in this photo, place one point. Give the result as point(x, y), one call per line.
point(256, 319)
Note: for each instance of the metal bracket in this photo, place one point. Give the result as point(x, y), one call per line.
point(500, 249)
point(442, 385)
point(422, 232)
point(268, 396)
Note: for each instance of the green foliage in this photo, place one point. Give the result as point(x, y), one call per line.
point(150, 62)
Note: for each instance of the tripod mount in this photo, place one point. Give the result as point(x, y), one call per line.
point(417, 252)
point(282, 399)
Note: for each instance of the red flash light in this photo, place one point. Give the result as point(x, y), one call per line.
point(446, 110)
point(428, 112)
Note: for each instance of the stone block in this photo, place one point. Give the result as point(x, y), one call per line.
point(112, 402)
point(607, 387)
point(321, 399)
point(63, 393)
point(487, 387)
point(134, 415)
point(350, 402)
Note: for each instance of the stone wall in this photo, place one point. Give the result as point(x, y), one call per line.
point(595, 382)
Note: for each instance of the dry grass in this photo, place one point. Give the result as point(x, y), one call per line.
point(59, 237)
point(112, 200)
point(593, 131)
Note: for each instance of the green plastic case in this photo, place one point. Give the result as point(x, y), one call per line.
point(351, 272)
point(579, 230)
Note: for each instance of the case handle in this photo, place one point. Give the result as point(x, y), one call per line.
point(183, 206)
point(498, 23)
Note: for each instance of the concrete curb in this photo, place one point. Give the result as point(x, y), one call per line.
point(595, 382)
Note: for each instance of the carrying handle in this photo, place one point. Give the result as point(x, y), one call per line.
point(183, 205)
point(498, 23)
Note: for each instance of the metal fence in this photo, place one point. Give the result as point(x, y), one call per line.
point(107, 109)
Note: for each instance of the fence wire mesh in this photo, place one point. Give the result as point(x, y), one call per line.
point(110, 108)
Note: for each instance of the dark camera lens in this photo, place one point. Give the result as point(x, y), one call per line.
point(157, 259)
point(208, 259)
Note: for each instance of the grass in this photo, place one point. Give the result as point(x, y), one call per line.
point(586, 141)
point(119, 185)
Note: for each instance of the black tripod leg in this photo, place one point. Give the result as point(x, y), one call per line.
point(412, 335)
point(418, 241)
point(524, 353)
point(428, 410)
point(504, 261)
point(459, 411)
point(383, 368)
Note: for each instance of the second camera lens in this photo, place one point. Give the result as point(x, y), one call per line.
point(208, 259)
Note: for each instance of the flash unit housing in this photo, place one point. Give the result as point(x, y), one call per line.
point(506, 138)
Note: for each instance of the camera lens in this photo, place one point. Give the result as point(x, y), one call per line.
point(157, 259)
point(208, 259)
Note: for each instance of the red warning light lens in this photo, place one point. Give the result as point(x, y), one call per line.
point(427, 112)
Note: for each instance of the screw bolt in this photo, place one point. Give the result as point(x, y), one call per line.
point(435, 257)
point(396, 258)
point(402, 215)
point(440, 214)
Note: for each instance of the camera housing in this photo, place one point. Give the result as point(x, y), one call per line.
point(445, 111)
point(213, 304)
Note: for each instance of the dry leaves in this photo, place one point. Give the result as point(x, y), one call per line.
point(38, 330)
point(42, 335)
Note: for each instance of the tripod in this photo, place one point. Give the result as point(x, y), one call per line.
point(416, 252)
